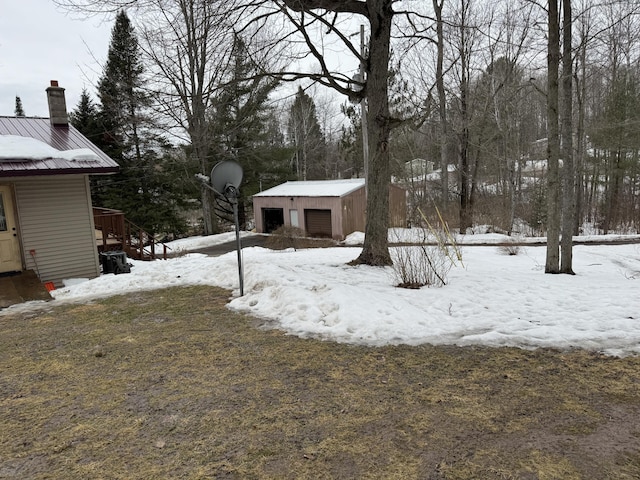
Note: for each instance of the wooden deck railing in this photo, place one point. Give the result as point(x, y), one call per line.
point(115, 232)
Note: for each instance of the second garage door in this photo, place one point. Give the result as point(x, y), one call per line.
point(318, 223)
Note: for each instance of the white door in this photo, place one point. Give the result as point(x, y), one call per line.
point(10, 259)
point(293, 216)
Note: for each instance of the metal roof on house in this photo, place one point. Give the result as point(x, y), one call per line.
point(61, 138)
point(314, 188)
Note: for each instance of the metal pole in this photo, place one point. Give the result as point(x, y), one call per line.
point(238, 245)
point(363, 113)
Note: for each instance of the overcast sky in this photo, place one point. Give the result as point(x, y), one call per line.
point(40, 43)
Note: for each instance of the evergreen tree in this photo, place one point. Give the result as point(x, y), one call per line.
point(246, 130)
point(85, 118)
point(121, 94)
point(19, 111)
point(307, 138)
point(141, 189)
point(350, 144)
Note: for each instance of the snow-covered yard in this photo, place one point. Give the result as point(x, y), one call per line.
point(494, 299)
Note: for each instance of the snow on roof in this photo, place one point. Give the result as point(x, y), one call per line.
point(15, 147)
point(314, 188)
point(46, 149)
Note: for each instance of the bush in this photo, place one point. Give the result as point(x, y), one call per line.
point(426, 263)
point(420, 265)
point(285, 237)
point(511, 247)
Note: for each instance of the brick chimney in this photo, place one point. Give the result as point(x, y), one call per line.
point(57, 105)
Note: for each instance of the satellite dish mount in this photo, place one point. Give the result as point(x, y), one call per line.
point(225, 180)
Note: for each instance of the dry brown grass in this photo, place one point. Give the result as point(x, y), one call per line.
point(170, 384)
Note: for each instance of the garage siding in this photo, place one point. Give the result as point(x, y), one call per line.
point(56, 222)
point(300, 204)
point(348, 212)
point(397, 206)
point(354, 207)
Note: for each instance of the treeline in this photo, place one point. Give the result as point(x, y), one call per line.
point(468, 94)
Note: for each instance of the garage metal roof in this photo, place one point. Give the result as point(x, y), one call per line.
point(314, 188)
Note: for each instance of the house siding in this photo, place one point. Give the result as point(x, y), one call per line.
point(56, 221)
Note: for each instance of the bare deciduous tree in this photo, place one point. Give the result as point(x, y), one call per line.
point(442, 106)
point(311, 19)
point(568, 170)
point(189, 45)
point(552, 264)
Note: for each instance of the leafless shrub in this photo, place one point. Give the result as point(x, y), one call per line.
point(429, 260)
point(285, 237)
point(420, 265)
point(510, 247)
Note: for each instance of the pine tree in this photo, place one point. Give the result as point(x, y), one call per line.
point(141, 189)
point(120, 92)
point(85, 118)
point(307, 138)
point(245, 129)
point(19, 111)
point(350, 145)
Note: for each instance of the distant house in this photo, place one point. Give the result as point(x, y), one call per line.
point(46, 217)
point(418, 167)
point(322, 208)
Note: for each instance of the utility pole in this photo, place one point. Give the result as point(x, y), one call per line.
point(363, 112)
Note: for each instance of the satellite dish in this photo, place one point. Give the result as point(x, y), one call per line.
point(226, 178)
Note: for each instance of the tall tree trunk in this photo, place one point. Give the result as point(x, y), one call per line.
point(552, 264)
point(568, 170)
point(581, 92)
point(464, 179)
point(200, 145)
point(442, 109)
point(612, 214)
point(375, 250)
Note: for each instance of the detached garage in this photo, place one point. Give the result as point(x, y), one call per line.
point(322, 208)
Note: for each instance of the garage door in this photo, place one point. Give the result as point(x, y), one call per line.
point(272, 219)
point(318, 223)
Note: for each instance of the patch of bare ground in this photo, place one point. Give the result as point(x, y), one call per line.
point(171, 384)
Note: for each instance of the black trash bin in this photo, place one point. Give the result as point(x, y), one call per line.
point(114, 262)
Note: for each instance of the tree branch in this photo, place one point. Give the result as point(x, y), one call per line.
point(357, 7)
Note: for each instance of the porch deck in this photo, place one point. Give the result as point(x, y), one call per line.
point(114, 232)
